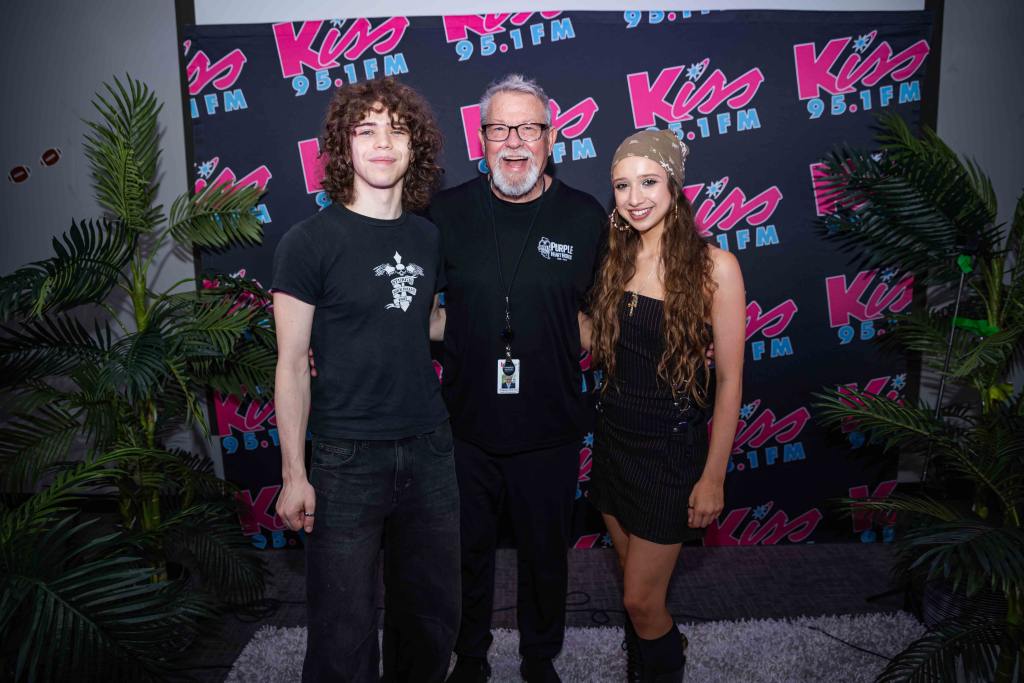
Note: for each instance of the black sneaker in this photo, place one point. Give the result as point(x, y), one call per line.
point(469, 670)
point(538, 671)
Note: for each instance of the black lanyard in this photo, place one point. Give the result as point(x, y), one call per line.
point(507, 334)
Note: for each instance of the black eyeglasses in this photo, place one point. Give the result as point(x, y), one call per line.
point(527, 132)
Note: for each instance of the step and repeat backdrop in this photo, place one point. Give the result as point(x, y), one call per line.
point(760, 97)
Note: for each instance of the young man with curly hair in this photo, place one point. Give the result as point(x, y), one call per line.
point(357, 282)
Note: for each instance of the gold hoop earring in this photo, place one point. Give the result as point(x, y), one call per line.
point(614, 222)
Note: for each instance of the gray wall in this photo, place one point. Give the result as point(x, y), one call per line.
point(981, 100)
point(56, 55)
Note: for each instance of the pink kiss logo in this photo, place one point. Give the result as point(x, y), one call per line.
point(458, 27)
point(771, 323)
point(586, 463)
point(258, 177)
point(201, 71)
point(822, 72)
point(230, 416)
point(762, 529)
point(866, 298)
point(755, 432)
point(651, 100)
point(865, 518)
point(295, 48)
point(256, 512)
point(725, 212)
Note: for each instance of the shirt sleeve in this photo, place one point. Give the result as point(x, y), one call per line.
point(297, 267)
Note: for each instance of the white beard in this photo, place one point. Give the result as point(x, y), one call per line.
point(511, 188)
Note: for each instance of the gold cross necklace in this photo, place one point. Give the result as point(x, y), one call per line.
point(634, 296)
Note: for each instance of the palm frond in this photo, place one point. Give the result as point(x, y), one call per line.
point(927, 332)
point(971, 205)
point(137, 363)
point(53, 345)
point(981, 183)
point(970, 552)
point(191, 478)
point(17, 291)
point(921, 331)
point(935, 656)
point(1002, 464)
point(914, 208)
point(981, 471)
point(39, 511)
point(103, 410)
point(122, 148)
point(219, 216)
point(81, 608)
point(920, 505)
point(86, 264)
point(894, 424)
point(31, 396)
point(183, 392)
point(215, 326)
point(224, 559)
point(988, 352)
point(249, 371)
point(31, 443)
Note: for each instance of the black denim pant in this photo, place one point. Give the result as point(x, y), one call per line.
point(539, 488)
point(402, 492)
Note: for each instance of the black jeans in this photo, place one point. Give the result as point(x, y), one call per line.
point(539, 488)
point(405, 492)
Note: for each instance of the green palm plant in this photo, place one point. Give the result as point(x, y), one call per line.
point(86, 593)
point(918, 208)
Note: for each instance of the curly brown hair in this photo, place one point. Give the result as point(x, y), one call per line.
point(689, 287)
point(407, 108)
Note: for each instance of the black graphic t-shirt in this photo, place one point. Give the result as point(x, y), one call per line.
point(373, 283)
point(558, 267)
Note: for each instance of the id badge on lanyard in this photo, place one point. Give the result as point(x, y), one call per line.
point(508, 376)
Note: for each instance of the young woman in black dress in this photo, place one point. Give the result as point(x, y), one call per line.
point(664, 295)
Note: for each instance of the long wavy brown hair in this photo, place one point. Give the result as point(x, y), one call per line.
point(408, 109)
point(686, 258)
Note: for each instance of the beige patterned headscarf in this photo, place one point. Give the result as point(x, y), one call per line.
point(660, 146)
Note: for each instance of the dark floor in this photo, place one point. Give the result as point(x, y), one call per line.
point(709, 584)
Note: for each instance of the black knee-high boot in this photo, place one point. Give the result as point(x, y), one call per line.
point(664, 658)
point(634, 666)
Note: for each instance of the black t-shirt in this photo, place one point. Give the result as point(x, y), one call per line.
point(373, 283)
point(557, 270)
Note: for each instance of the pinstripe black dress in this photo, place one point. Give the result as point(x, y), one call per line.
point(649, 449)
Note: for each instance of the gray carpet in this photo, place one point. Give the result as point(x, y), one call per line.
point(758, 651)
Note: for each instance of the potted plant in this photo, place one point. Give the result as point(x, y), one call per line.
point(916, 207)
point(125, 548)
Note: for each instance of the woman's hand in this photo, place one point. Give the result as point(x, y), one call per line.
point(706, 502)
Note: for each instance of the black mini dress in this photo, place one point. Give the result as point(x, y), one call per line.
point(649, 448)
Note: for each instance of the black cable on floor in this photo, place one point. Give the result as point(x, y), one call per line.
point(849, 644)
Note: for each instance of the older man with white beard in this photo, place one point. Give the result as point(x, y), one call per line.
point(520, 250)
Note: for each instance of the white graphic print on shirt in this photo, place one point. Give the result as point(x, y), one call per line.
point(402, 277)
point(554, 250)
